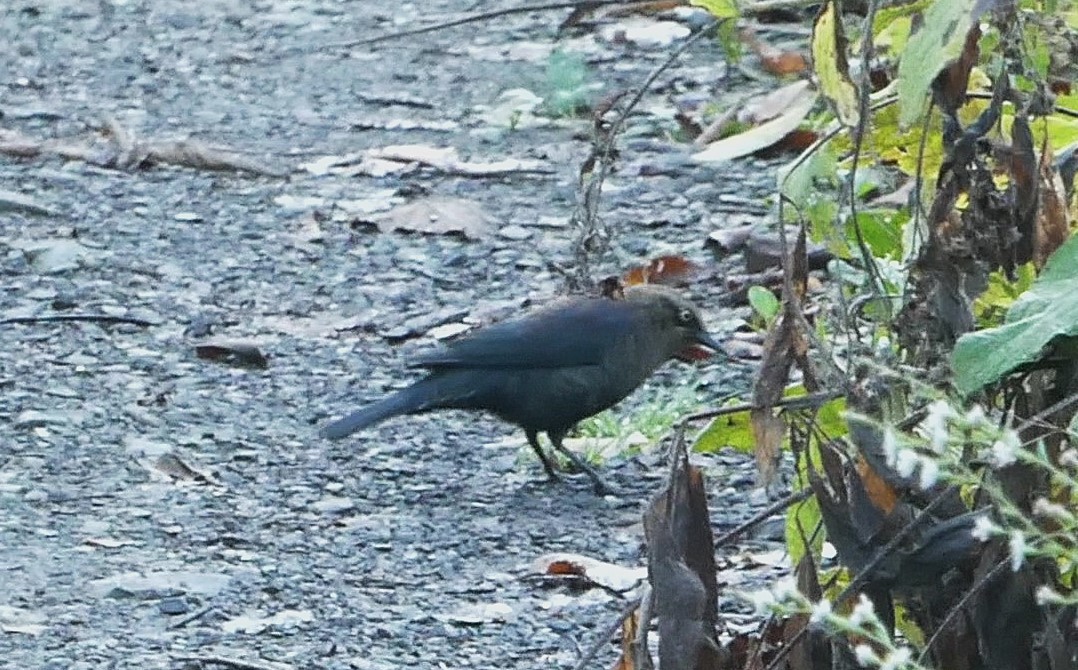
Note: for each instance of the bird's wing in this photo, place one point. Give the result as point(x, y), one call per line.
point(570, 335)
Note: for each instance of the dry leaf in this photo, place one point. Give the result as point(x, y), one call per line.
point(607, 575)
point(438, 215)
point(773, 60)
point(668, 270)
point(1052, 219)
point(760, 137)
point(766, 106)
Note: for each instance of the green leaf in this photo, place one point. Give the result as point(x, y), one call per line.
point(764, 302)
point(732, 430)
point(801, 185)
point(832, 70)
point(991, 306)
point(1047, 311)
point(805, 531)
point(803, 522)
point(882, 231)
point(929, 50)
point(720, 9)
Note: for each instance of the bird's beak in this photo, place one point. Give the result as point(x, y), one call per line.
point(700, 350)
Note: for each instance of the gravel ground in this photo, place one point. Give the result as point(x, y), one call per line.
point(411, 544)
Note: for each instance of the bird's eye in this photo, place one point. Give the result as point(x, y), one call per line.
point(685, 316)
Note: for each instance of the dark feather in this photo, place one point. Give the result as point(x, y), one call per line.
point(580, 335)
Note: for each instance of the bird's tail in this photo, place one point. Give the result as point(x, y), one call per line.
point(426, 394)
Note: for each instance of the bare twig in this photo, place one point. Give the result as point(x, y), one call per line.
point(762, 516)
point(810, 401)
point(197, 614)
point(954, 611)
point(604, 636)
point(865, 88)
point(91, 318)
point(466, 19)
point(586, 215)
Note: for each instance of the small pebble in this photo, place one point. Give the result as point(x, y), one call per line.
point(173, 606)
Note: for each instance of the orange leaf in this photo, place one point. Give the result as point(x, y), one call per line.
point(668, 270)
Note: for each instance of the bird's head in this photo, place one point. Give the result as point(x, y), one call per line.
point(676, 319)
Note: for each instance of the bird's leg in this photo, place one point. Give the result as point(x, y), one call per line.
point(533, 440)
point(601, 487)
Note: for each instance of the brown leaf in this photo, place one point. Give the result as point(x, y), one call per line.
point(786, 346)
point(774, 60)
point(629, 629)
point(950, 85)
point(1025, 182)
point(666, 270)
point(768, 431)
point(681, 569)
point(1052, 219)
point(882, 494)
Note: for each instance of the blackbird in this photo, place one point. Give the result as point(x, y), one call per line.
point(548, 370)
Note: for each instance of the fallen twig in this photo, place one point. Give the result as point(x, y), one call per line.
point(197, 614)
point(466, 19)
point(90, 318)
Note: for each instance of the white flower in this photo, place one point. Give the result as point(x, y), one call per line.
point(1046, 595)
point(1069, 458)
point(1005, 449)
point(930, 472)
point(976, 416)
point(984, 528)
point(1017, 546)
point(820, 611)
point(1046, 508)
point(906, 462)
point(866, 655)
point(889, 445)
point(863, 612)
point(935, 424)
point(899, 658)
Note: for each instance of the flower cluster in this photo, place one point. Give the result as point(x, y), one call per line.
point(862, 623)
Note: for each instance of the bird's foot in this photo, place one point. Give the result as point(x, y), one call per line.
point(602, 487)
point(598, 483)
